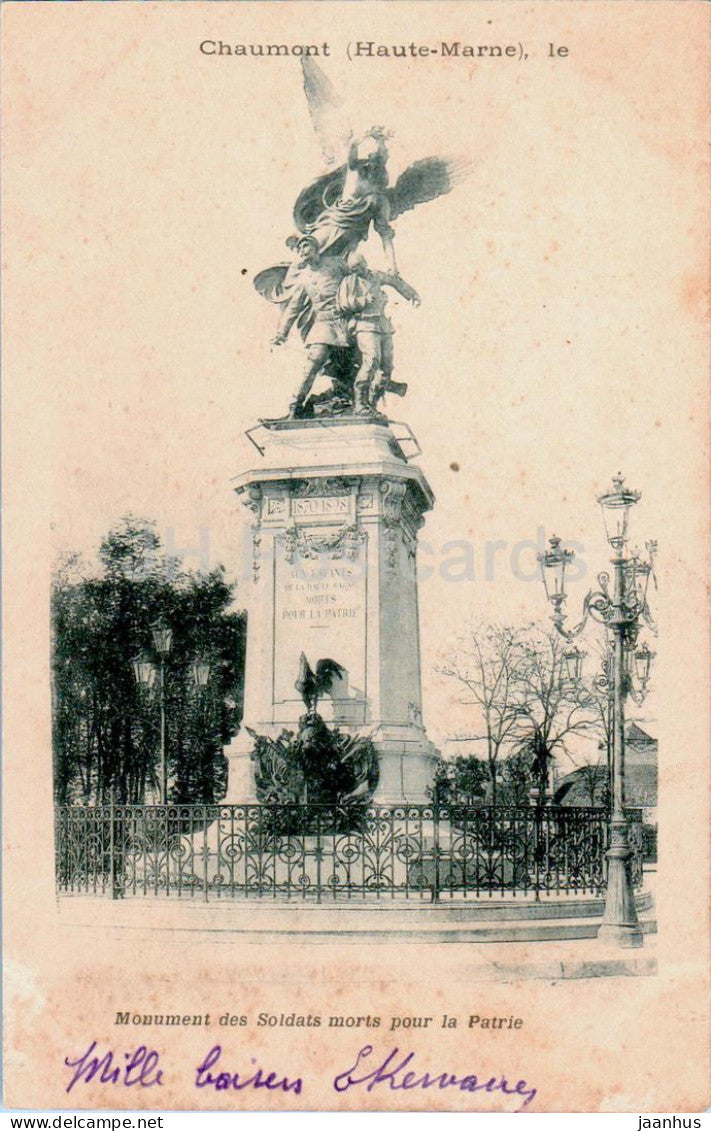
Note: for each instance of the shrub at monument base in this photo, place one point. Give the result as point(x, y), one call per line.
point(319, 780)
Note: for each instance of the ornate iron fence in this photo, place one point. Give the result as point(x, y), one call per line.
point(396, 852)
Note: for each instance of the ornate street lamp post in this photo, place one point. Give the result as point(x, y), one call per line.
point(201, 677)
point(162, 640)
point(620, 604)
point(603, 683)
point(639, 662)
point(148, 676)
point(145, 671)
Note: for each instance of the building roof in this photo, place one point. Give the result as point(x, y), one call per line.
point(640, 787)
point(635, 736)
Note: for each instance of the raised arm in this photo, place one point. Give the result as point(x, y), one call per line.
point(381, 223)
point(398, 284)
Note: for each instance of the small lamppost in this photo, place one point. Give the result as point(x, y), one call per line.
point(146, 672)
point(620, 604)
point(148, 676)
point(201, 677)
point(162, 640)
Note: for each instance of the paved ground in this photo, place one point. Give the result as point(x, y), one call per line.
point(529, 942)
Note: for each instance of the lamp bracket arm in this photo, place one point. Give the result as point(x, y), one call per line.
point(598, 605)
point(588, 610)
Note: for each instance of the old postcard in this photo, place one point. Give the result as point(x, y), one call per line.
point(356, 484)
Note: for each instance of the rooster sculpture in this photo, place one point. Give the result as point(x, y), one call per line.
point(311, 684)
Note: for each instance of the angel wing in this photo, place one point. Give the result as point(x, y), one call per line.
point(273, 285)
point(270, 283)
point(327, 111)
point(426, 180)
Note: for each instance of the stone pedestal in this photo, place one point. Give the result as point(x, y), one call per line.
point(335, 512)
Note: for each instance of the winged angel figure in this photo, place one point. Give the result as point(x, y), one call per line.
point(327, 291)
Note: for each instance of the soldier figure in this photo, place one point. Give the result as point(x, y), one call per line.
point(313, 297)
point(360, 298)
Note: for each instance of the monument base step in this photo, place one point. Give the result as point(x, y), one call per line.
point(263, 920)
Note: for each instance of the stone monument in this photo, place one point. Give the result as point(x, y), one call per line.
point(335, 505)
point(336, 509)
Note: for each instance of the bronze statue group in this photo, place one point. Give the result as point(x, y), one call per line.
point(328, 292)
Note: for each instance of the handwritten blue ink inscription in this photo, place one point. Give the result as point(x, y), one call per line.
point(390, 1072)
point(396, 1072)
point(137, 1067)
point(254, 1078)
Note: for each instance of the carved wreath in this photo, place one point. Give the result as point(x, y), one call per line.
point(344, 543)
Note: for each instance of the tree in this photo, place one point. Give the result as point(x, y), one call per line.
point(594, 782)
point(515, 780)
point(105, 728)
point(550, 708)
point(485, 664)
point(460, 781)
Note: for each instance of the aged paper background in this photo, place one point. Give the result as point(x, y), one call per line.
point(562, 334)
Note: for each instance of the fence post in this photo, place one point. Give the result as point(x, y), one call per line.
point(206, 851)
point(538, 848)
point(112, 841)
point(435, 851)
